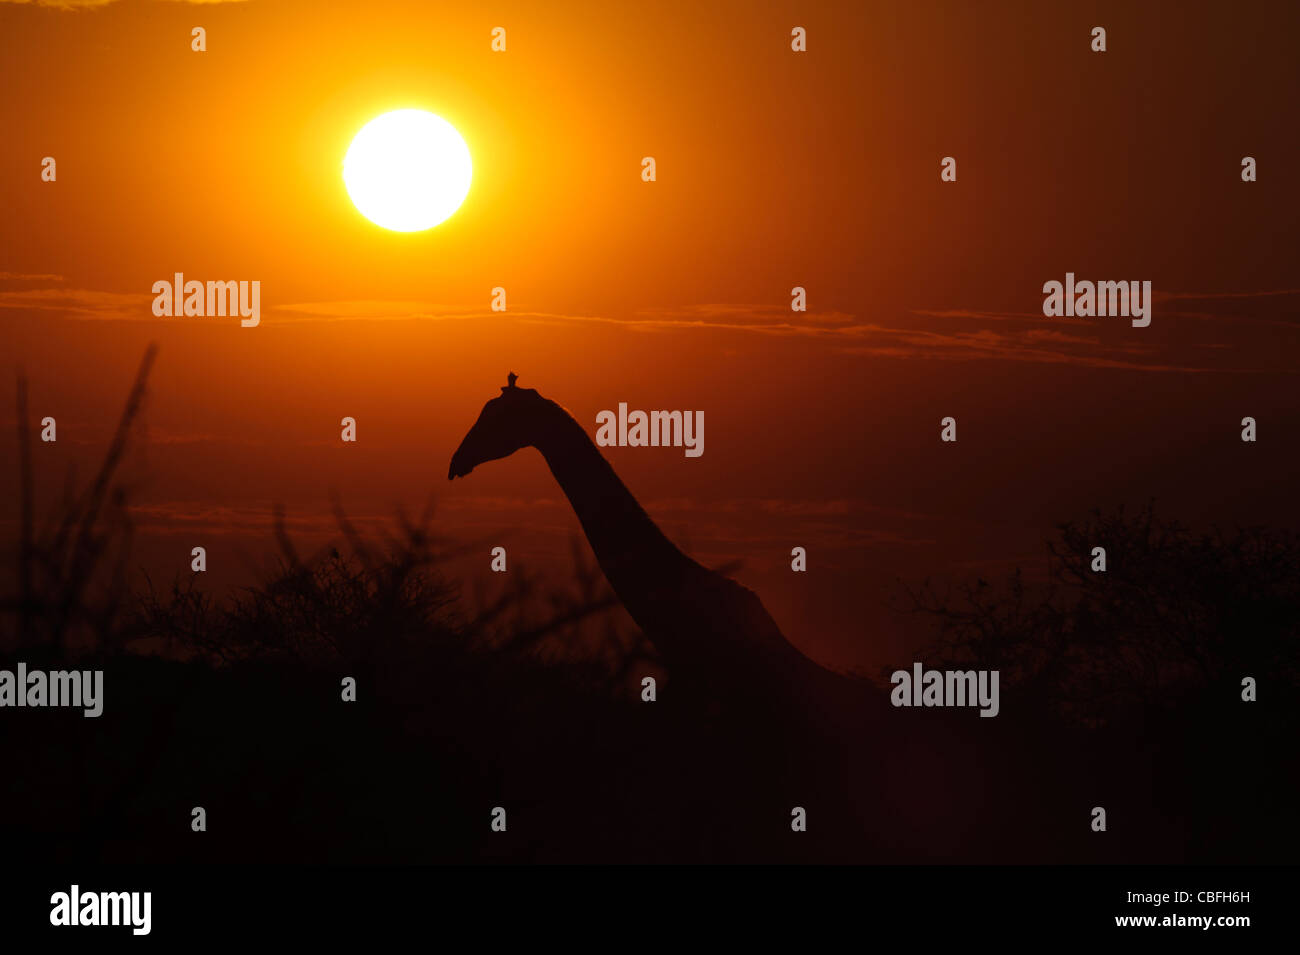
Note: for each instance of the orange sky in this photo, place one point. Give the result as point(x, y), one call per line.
point(774, 170)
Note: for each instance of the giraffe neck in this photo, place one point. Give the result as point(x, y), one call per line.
point(707, 628)
point(650, 575)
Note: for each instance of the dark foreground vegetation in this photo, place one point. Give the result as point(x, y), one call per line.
point(1120, 690)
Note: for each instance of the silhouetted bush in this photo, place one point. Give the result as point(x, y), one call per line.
point(1175, 616)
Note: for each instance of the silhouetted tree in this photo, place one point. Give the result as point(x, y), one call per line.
point(1177, 616)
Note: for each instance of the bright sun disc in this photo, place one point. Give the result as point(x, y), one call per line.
point(407, 170)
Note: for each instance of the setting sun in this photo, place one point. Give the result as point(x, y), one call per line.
point(407, 170)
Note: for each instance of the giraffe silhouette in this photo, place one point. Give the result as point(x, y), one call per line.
point(809, 727)
point(713, 634)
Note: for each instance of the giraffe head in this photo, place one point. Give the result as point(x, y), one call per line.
point(505, 425)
